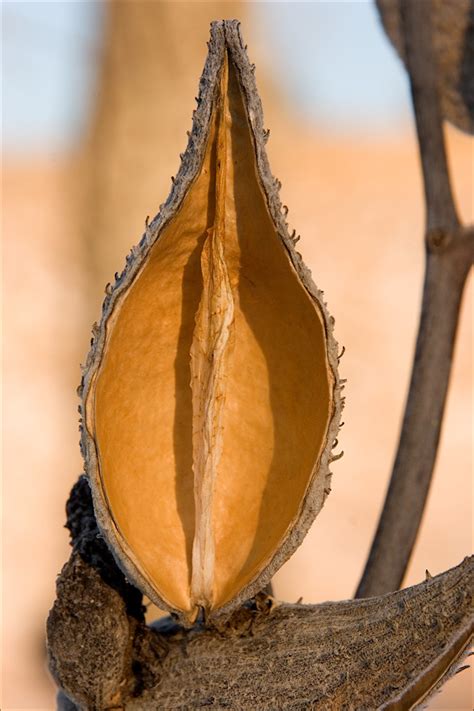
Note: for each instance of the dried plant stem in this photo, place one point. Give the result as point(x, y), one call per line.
point(449, 249)
point(386, 653)
point(390, 652)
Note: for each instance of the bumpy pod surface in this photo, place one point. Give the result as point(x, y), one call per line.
point(210, 396)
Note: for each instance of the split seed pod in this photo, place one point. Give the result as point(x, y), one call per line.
point(210, 397)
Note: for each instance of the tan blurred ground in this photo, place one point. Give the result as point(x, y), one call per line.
point(358, 206)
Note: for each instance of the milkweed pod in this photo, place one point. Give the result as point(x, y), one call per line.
point(211, 395)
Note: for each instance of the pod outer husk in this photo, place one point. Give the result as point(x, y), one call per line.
point(225, 36)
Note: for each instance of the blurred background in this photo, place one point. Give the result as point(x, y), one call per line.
point(97, 99)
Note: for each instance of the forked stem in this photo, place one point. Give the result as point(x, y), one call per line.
point(448, 258)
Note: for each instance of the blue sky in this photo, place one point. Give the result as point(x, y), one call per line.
point(339, 69)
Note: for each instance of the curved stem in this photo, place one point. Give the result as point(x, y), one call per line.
point(448, 258)
point(414, 463)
